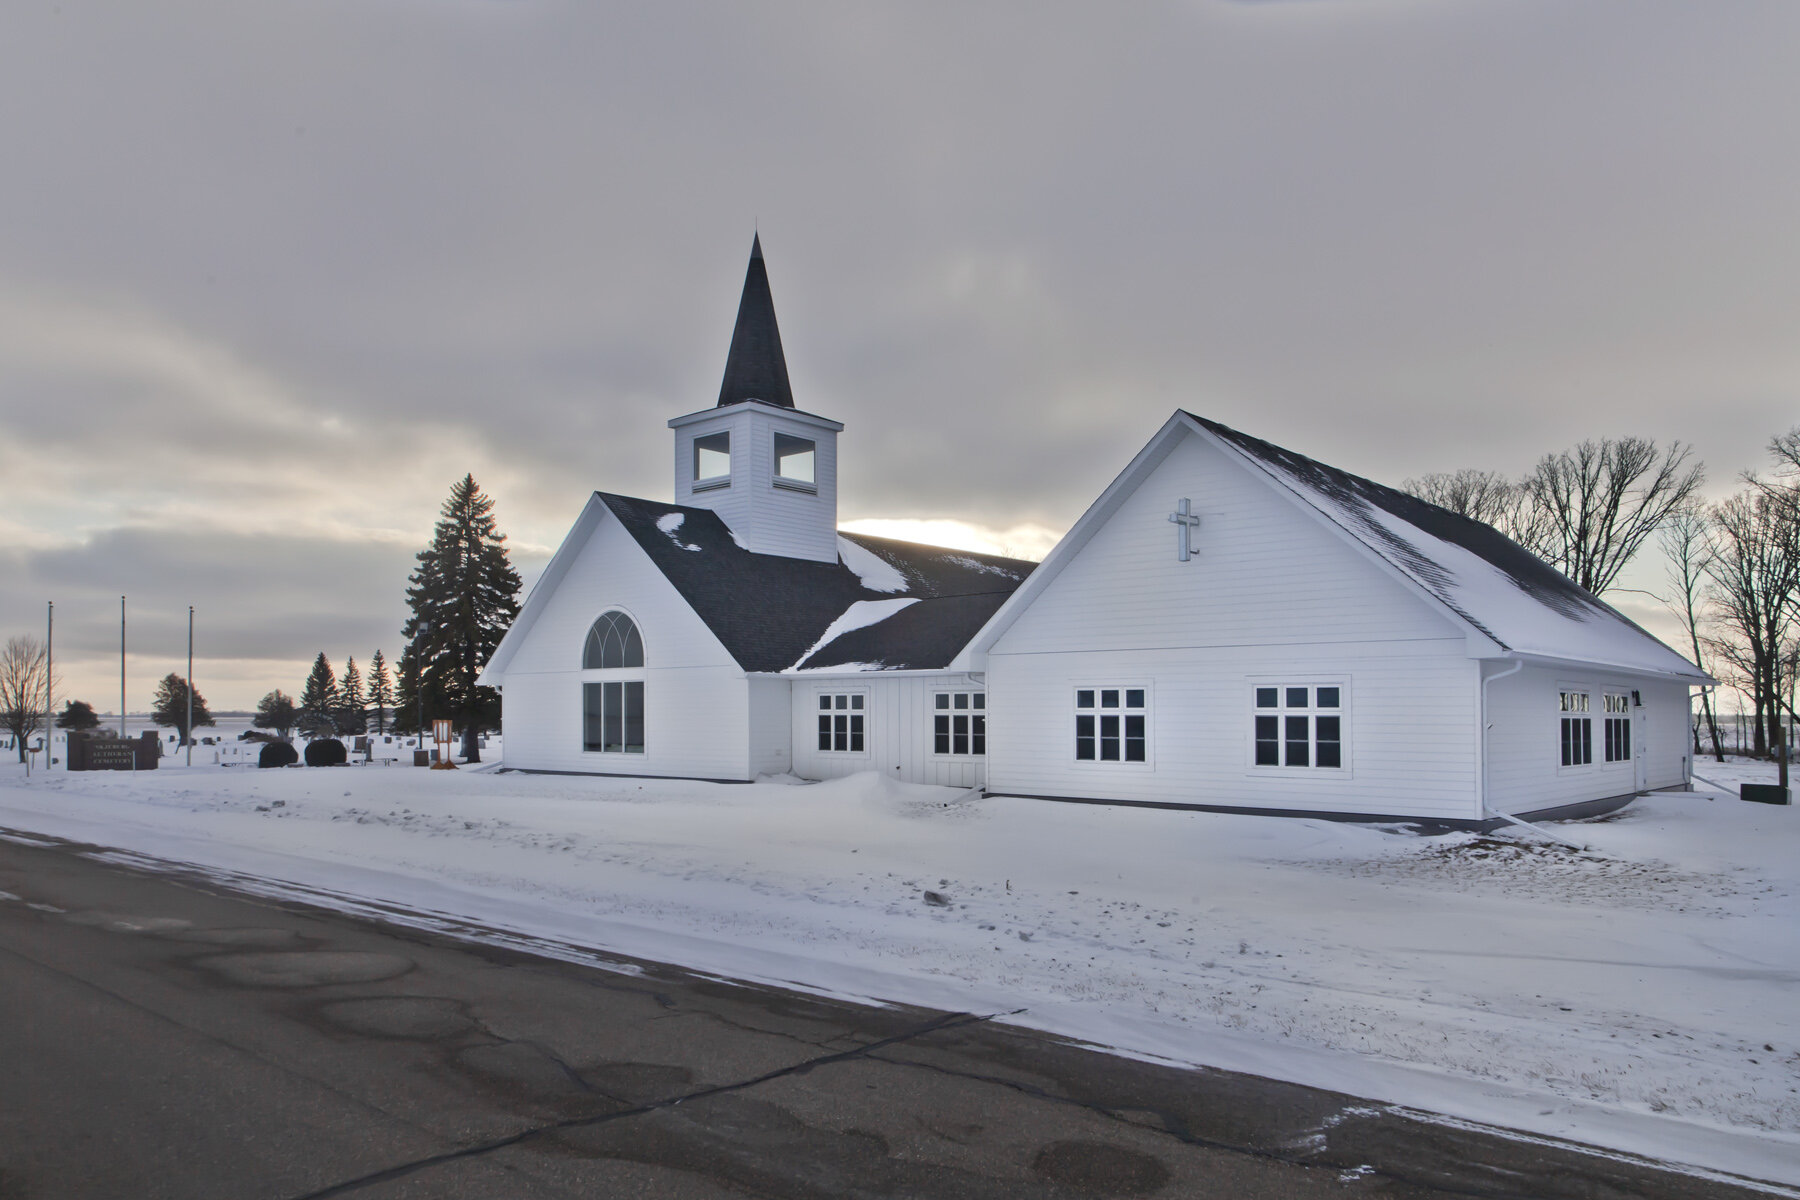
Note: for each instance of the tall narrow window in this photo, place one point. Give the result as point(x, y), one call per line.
point(959, 723)
point(795, 463)
point(1577, 729)
point(1112, 724)
point(1618, 727)
point(841, 727)
point(712, 460)
point(612, 697)
point(1298, 725)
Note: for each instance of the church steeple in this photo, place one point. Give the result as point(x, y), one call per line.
point(756, 369)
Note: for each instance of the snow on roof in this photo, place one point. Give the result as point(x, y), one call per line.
point(877, 574)
point(1515, 598)
point(860, 613)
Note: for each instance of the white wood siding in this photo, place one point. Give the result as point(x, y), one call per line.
point(696, 699)
point(766, 518)
point(1526, 774)
point(898, 727)
point(1270, 593)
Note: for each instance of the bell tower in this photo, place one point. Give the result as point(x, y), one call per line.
point(768, 469)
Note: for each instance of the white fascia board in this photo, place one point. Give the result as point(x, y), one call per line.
point(973, 656)
point(835, 673)
point(1481, 644)
point(792, 414)
point(1694, 678)
point(572, 542)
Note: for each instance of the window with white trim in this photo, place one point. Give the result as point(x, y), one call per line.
point(712, 461)
point(1617, 730)
point(612, 689)
point(841, 716)
point(1577, 729)
point(1112, 724)
point(959, 723)
point(1298, 725)
point(796, 463)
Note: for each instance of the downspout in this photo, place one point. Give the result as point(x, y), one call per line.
point(1486, 812)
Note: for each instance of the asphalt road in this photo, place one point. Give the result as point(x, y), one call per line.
point(164, 1035)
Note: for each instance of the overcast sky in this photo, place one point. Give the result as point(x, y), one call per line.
point(274, 275)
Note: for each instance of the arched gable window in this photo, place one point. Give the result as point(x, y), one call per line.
point(614, 641)
point(613, 705)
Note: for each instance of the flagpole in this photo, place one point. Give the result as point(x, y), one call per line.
point(122, 667)
point(190, 688)
point(49, 684)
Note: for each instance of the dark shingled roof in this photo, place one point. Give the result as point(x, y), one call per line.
point(1357, 496)
point(768, 611)
point(756, 369)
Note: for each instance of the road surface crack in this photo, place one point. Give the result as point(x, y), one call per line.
point(400, 1170)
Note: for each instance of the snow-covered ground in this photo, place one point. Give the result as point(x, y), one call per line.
point(1640, 994)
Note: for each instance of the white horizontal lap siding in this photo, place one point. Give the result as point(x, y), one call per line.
point(1269, 594)
point(695, 696)
point(1408, 726)
point(1525, 771)
point(898, 728)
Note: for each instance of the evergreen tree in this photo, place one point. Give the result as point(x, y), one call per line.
point(381, 691)
point(353, 716)
point(319, 700)
point(77, 714)
point(170, 707)
point(278, 712)
point(464, 596)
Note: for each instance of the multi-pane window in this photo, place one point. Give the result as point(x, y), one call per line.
point(1577, 729)
point(959, 723)
point(1618, 727)
point(841, 722)
point(613, 716)
point(1299, 725)
point(613, 642)
point(1111, 724)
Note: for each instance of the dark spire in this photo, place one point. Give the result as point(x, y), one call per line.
point(755, 369)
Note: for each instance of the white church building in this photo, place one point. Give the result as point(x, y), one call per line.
point(1230, 626)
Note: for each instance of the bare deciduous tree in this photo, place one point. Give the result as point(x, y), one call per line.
point(1755, 577)
point(1686, 542)
point(1594, 506)
point(24, 694)
point(1485, 496)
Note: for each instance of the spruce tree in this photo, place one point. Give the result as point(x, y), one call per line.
point(464, 596)
point(319, 700)
point(381, 691)
point(353, 714)
point(171, 706)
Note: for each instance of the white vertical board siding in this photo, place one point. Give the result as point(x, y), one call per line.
point(1270, 594)
point(695, 696)
point(1525, 771)
point(898, 728)
point(771, 726)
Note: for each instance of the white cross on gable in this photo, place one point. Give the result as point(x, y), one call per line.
point(1186, 521)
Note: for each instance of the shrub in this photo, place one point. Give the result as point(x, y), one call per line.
point(326, 752)
point(277, 754)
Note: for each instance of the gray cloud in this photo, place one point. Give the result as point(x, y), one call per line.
point(282, 273)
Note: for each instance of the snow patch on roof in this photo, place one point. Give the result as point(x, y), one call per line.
point(670, 523)
point(860, 614)
point(986, 568)
point(876, 573)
